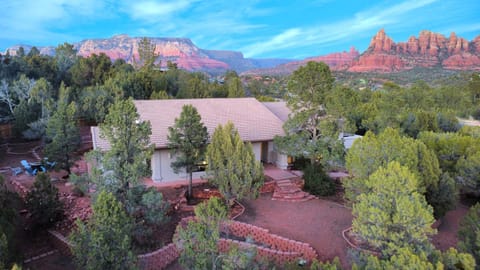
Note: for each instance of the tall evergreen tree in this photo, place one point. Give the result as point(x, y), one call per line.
point(188, 140)
point(104, 243)
point(130, 147)
point(146, 53)
point(231, 164)
point(63, 134)
point(309, 132)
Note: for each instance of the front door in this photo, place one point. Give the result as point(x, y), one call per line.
point(264, 153)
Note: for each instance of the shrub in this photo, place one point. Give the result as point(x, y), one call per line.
point(317, 181)
point(80, 184)
point(43, 203)
point(469, 233)
point(149, 211)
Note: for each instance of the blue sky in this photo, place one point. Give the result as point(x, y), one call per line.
point(259, 29)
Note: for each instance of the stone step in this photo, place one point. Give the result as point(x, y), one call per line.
point(304, 199)
point(286, 190)
point(291, 196)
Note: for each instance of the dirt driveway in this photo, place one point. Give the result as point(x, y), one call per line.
point(317, 222)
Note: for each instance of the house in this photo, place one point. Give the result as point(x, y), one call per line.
point(256, 122)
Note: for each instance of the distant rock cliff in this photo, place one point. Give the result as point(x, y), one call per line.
point(179, 50)
point(428, 50)
point(383, 54)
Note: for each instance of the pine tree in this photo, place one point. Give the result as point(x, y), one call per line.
point(130, 147)
point(104, 243)
point(63, 134)
point(232, 166)
point(146, 53)
point(392, 213)
point(309, 131)
point(187, 139)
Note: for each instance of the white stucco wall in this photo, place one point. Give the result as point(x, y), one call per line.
point(281, 161)
point(161, 170)
point(271, 154)
point(257, 149)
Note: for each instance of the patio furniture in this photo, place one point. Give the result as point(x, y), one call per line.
point(38, 166)
point(16, 170)
point(28, 167)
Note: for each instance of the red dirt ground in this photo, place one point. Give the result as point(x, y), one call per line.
point(317, 222)
point(320, 223)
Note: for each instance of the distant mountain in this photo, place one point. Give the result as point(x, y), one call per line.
point(336, 61)
point(179, 50)
point(429, 50)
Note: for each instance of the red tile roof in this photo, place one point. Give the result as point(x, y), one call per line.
point(279, 108)
point(254, 121)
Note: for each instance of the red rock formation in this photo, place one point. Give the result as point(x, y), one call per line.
point(429, 50)
point(462, 61)
point(180, 50)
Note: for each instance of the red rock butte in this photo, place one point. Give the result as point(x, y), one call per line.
point(428, 50)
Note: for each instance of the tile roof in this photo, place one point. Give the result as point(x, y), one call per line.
point(254, 121)
point(280, 109)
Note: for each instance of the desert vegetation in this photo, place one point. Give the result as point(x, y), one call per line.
point(415, 162)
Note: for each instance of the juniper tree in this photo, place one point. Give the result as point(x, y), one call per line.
point(188, 139)
point(392, 214)
point(104, 243)
point(231, 164)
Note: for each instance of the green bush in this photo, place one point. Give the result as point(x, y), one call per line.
point(469, 233)
point(43, 202)
point(317, 181)
point(80, 184)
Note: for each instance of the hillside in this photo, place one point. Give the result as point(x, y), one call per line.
point(430, 50)
point(383, 55)
point(179, 50)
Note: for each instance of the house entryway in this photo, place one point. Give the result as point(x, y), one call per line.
point(287, 184)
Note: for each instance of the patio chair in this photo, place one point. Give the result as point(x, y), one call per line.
point(48, 164)
point(28, 167)
point(16, 171)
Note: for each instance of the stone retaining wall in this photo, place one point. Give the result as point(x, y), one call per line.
point(159, 259)
point(20, 189)
point(156, 260)
point(277, 247)
point(60, 242)
point(267, 187)
point(269, 246)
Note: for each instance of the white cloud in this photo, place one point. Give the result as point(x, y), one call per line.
point(36, 19)
point(155, 10)
point(362, 22)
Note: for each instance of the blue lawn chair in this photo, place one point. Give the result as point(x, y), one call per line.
point(49, 164)
point(28, 167)
point(16, 170)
